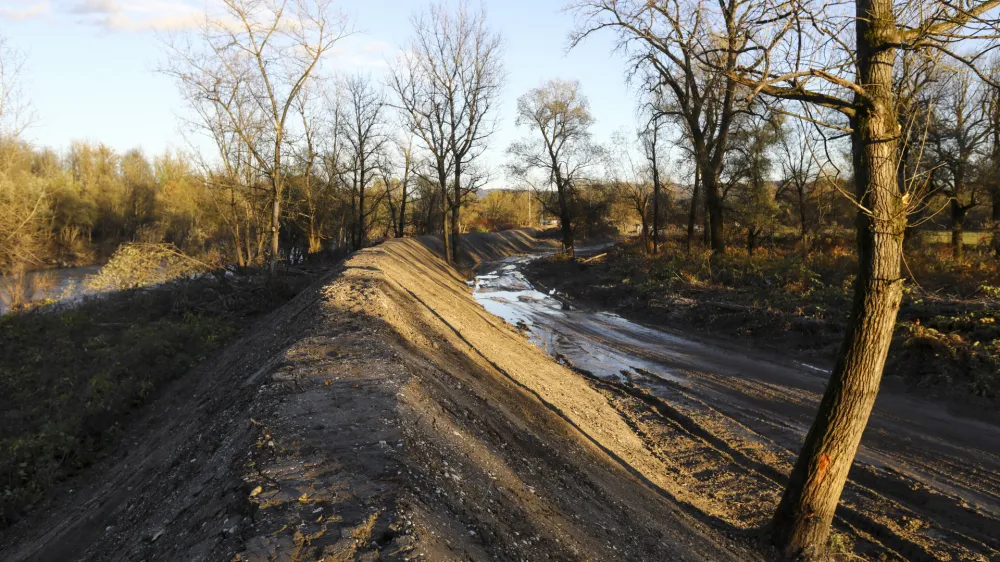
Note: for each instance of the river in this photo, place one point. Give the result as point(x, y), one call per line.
point(67, 283)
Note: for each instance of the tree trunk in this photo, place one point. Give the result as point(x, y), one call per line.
point(359, 227)
point(444, 228)
point(456, 210)
point(443, 181)
point(566, 220)
point(237, 241)
point(275, 228)
point(714, 200)
point(645, 231)
point(706, 230)
point(277, 185)
point(751, 241)
point(802, 220)
point(957, 227)
point(401, 229)
point(693, 213)
point(656, 208)
point(801, 525)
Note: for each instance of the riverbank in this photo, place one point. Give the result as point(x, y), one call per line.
point(48, 285)
point(72, 376)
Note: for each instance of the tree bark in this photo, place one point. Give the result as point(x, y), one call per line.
point(275, 229)
point(359, 233)
point(443, 181)
point(277, 185)
point(456, 210)
point(802, 219)
point(566, 220)
point(693, 213)
point(958, 212)
point(714, 198)
point(706, 226)
point(645, 230)
point(656, 208)
point(801, 525)
point(401, 229)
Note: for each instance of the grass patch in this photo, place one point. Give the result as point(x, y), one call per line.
point(71, 376)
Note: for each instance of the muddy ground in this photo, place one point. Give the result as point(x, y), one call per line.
point(381, 414)
point(384, 414)
point(728, 419)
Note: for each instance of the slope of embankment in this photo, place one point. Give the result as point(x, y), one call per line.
point(380, 415)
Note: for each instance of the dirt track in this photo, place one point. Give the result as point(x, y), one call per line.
point(729, 420)
point(381, 415)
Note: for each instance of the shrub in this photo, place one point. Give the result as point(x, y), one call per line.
point(143, 265)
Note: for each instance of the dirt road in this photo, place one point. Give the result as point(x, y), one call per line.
point(926, 485)
point(383, 414)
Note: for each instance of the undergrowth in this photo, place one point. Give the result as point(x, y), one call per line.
point(70, 376)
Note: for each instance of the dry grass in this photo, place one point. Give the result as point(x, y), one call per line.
point(19, 287)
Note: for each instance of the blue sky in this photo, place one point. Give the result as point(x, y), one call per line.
point(91, 64)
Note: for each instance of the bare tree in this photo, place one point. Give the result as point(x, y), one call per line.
point(751, 160)
point(263, 51)
point(653, 143)
point(842, 57)
point(799, 172)
point(233, 179)
point(558, 152)
point(364, 130)
point(679, 45)
point(313, 191)
point(398, 190)
point(16, 112)
point(630, 180)
point(958, 129)
point(447, 82)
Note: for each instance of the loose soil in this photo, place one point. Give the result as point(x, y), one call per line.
point(731, 415)
point(381, 414)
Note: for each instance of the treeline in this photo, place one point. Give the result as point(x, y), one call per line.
point(76, 208)
point(73, 208)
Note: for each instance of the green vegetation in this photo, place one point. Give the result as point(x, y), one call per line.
point(71, 376)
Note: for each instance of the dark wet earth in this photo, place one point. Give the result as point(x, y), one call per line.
point(924, 475)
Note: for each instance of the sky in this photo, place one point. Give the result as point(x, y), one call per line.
point(91, 65)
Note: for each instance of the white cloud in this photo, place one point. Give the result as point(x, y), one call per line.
point(98, 7)
point(18, 11)
point(112, 15)
point(360, 53)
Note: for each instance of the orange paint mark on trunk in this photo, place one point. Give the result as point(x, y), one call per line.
point(824, 464)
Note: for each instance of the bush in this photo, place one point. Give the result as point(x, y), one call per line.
point(143, 265)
